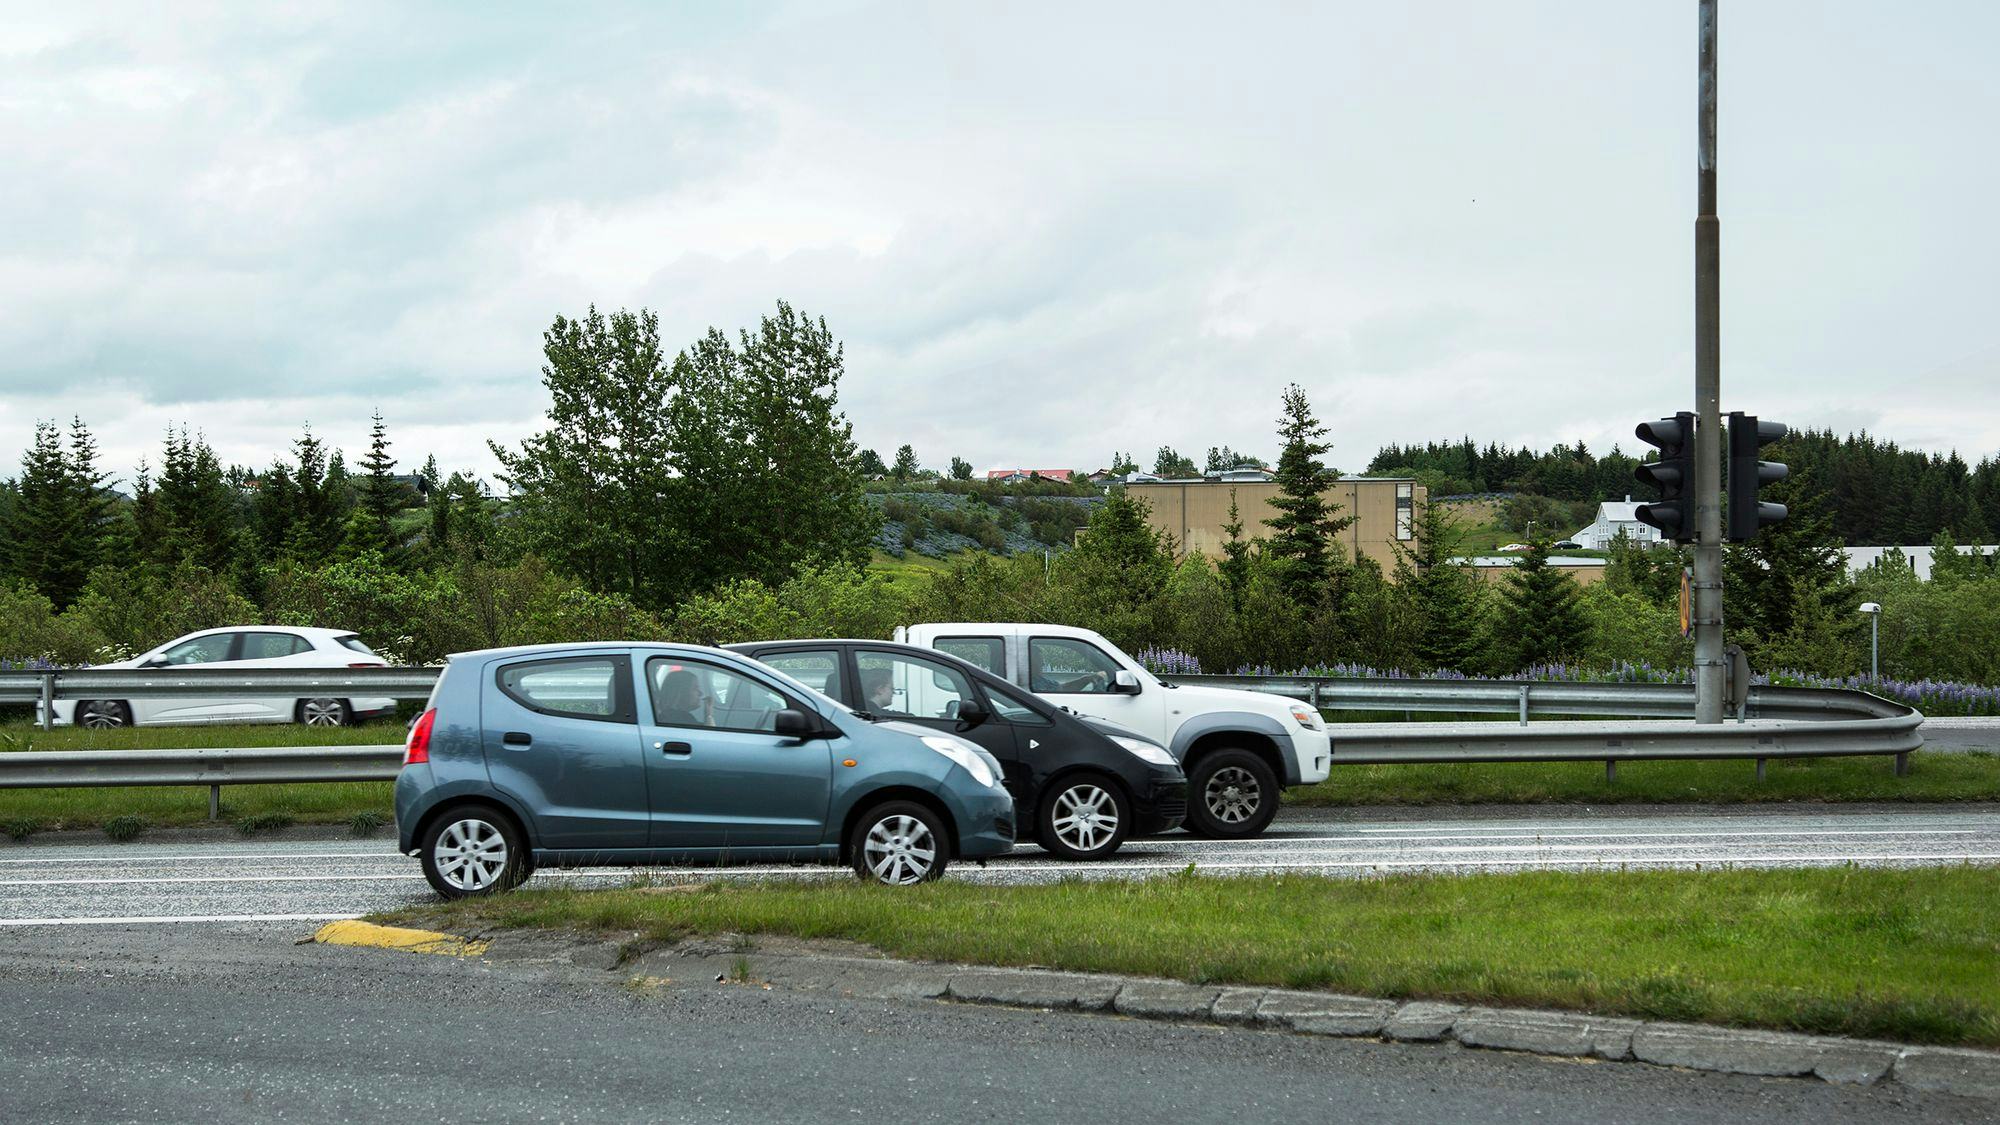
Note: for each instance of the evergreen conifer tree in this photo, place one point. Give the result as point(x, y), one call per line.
point(1542, 620)
point(1303, 545)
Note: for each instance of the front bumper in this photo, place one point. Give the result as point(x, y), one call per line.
point(1312, 757)
point(1162, 808)
point(986, 825)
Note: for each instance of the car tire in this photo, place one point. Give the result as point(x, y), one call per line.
point(101, 714)
point(471, 850)
point(1232, 794)
point(899, 843)
point(324, 713)
point(1083, 816)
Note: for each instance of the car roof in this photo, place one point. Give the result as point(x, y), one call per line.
point(591, 646)
point(742, 648)
point(296, 630)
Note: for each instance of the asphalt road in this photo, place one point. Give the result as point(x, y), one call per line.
point(313, 879)
point(235, 1022)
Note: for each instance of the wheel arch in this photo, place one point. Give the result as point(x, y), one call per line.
point(1256, 742)
point(437, 811)
point(868, 801)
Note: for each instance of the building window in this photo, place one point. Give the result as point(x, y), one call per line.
point(1405, 514)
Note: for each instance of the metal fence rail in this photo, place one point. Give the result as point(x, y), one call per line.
point(1777, 722)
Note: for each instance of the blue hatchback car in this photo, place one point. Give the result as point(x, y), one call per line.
point(618, 754)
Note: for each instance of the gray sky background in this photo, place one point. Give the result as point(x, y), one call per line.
point(1043, 231)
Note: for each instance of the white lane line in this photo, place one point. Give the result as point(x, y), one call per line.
point(1806, 824)
point(131, 857)
point(176, 918)
point(1306, 868)
point(1272, 840)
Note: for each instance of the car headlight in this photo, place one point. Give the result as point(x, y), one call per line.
point(1307, 717)
point(966, 756)
point(1147, 751)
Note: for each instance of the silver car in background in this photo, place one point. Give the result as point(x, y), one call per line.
point(237, 648)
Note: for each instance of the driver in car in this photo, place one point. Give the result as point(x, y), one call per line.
point(682, 702)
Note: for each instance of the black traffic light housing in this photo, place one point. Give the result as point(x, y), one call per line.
point(1672, 474)
point(1747, 474)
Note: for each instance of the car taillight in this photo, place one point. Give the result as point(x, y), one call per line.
point(417, 751)
point(365, 664)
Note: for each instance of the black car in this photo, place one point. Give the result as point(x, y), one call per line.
point(1081, 786)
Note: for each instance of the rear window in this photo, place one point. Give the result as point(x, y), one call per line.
point(988, 653)
point(584, 687)
point(350, 641)
point(272, 646)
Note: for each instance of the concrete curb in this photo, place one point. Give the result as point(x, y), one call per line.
point(801, 966)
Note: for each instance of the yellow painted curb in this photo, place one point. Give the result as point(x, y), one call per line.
point(396, 937)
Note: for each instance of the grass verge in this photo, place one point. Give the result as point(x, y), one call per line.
point(1968, 776)
point(27, 737)
point(263, 806)
point(1912, 956)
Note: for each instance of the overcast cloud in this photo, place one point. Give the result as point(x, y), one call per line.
point(1044, 232)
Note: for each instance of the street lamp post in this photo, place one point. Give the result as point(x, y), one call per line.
point(1874, 612)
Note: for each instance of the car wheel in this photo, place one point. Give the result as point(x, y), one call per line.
point(900, 843)
point(103, 714)
point(323, 712)
point(1232, 794)
point(473, 850)
point(1082, 817)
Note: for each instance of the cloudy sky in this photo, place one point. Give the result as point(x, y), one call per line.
point(1044, 231)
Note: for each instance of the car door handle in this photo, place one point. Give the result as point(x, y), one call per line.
point(518, 738)
point(674, 749)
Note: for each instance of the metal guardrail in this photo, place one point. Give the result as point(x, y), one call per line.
point(1777, 722)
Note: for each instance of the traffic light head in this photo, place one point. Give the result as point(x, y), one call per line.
point(1672, 474)
point(1747, 474)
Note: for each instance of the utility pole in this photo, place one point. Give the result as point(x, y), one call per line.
point(1710, 668)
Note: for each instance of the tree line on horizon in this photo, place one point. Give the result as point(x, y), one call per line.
point(1878, 493)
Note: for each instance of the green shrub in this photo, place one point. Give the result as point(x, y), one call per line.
point(274, 821)
point(364, 823)
point(21, 827)
point(125, 828)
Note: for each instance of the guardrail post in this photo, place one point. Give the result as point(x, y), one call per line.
point(1903, 764)
point(1610, 771)
point(1760, 771)
point(1524, 705)
point(48, 700)
point(1315, 695)
point(215, 802)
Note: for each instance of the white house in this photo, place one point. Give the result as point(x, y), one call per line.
point(1612, 518)
point(1919, 558)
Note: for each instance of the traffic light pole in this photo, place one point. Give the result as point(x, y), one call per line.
point(1710, 668)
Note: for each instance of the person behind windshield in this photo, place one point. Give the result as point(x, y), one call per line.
point(878, 691)
point(681, 700)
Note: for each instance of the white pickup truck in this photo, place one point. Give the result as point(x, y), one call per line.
point(1238, 748)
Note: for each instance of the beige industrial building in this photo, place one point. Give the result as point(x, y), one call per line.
point(1193, 512)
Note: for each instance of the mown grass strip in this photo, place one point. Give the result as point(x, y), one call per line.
point(52, 810)
point(1912, 956)
point(1968, 776)
point(27, 737)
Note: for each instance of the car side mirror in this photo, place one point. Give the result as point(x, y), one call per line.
point(155, 662)
point(1124, 682)
point(971, 712)
point(794, 724)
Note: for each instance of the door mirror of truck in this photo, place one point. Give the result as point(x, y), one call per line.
point(1124, 682)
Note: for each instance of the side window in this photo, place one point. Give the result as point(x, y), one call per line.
point(692, 693)
point(989, 653)
point(818, 670)
point(271, 646)
point(895, 684)
point(580, 687)
point(200, 650)
point(1069, 667)
point(1013, 709)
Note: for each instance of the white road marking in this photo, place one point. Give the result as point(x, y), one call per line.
point(176, 918)
point(142, 858)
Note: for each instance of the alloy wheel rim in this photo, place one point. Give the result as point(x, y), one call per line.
point(900, 850)
point(1086, 818)
point(1232, 795)
point(322, 712)
point(102, 716)
point(470, 854)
